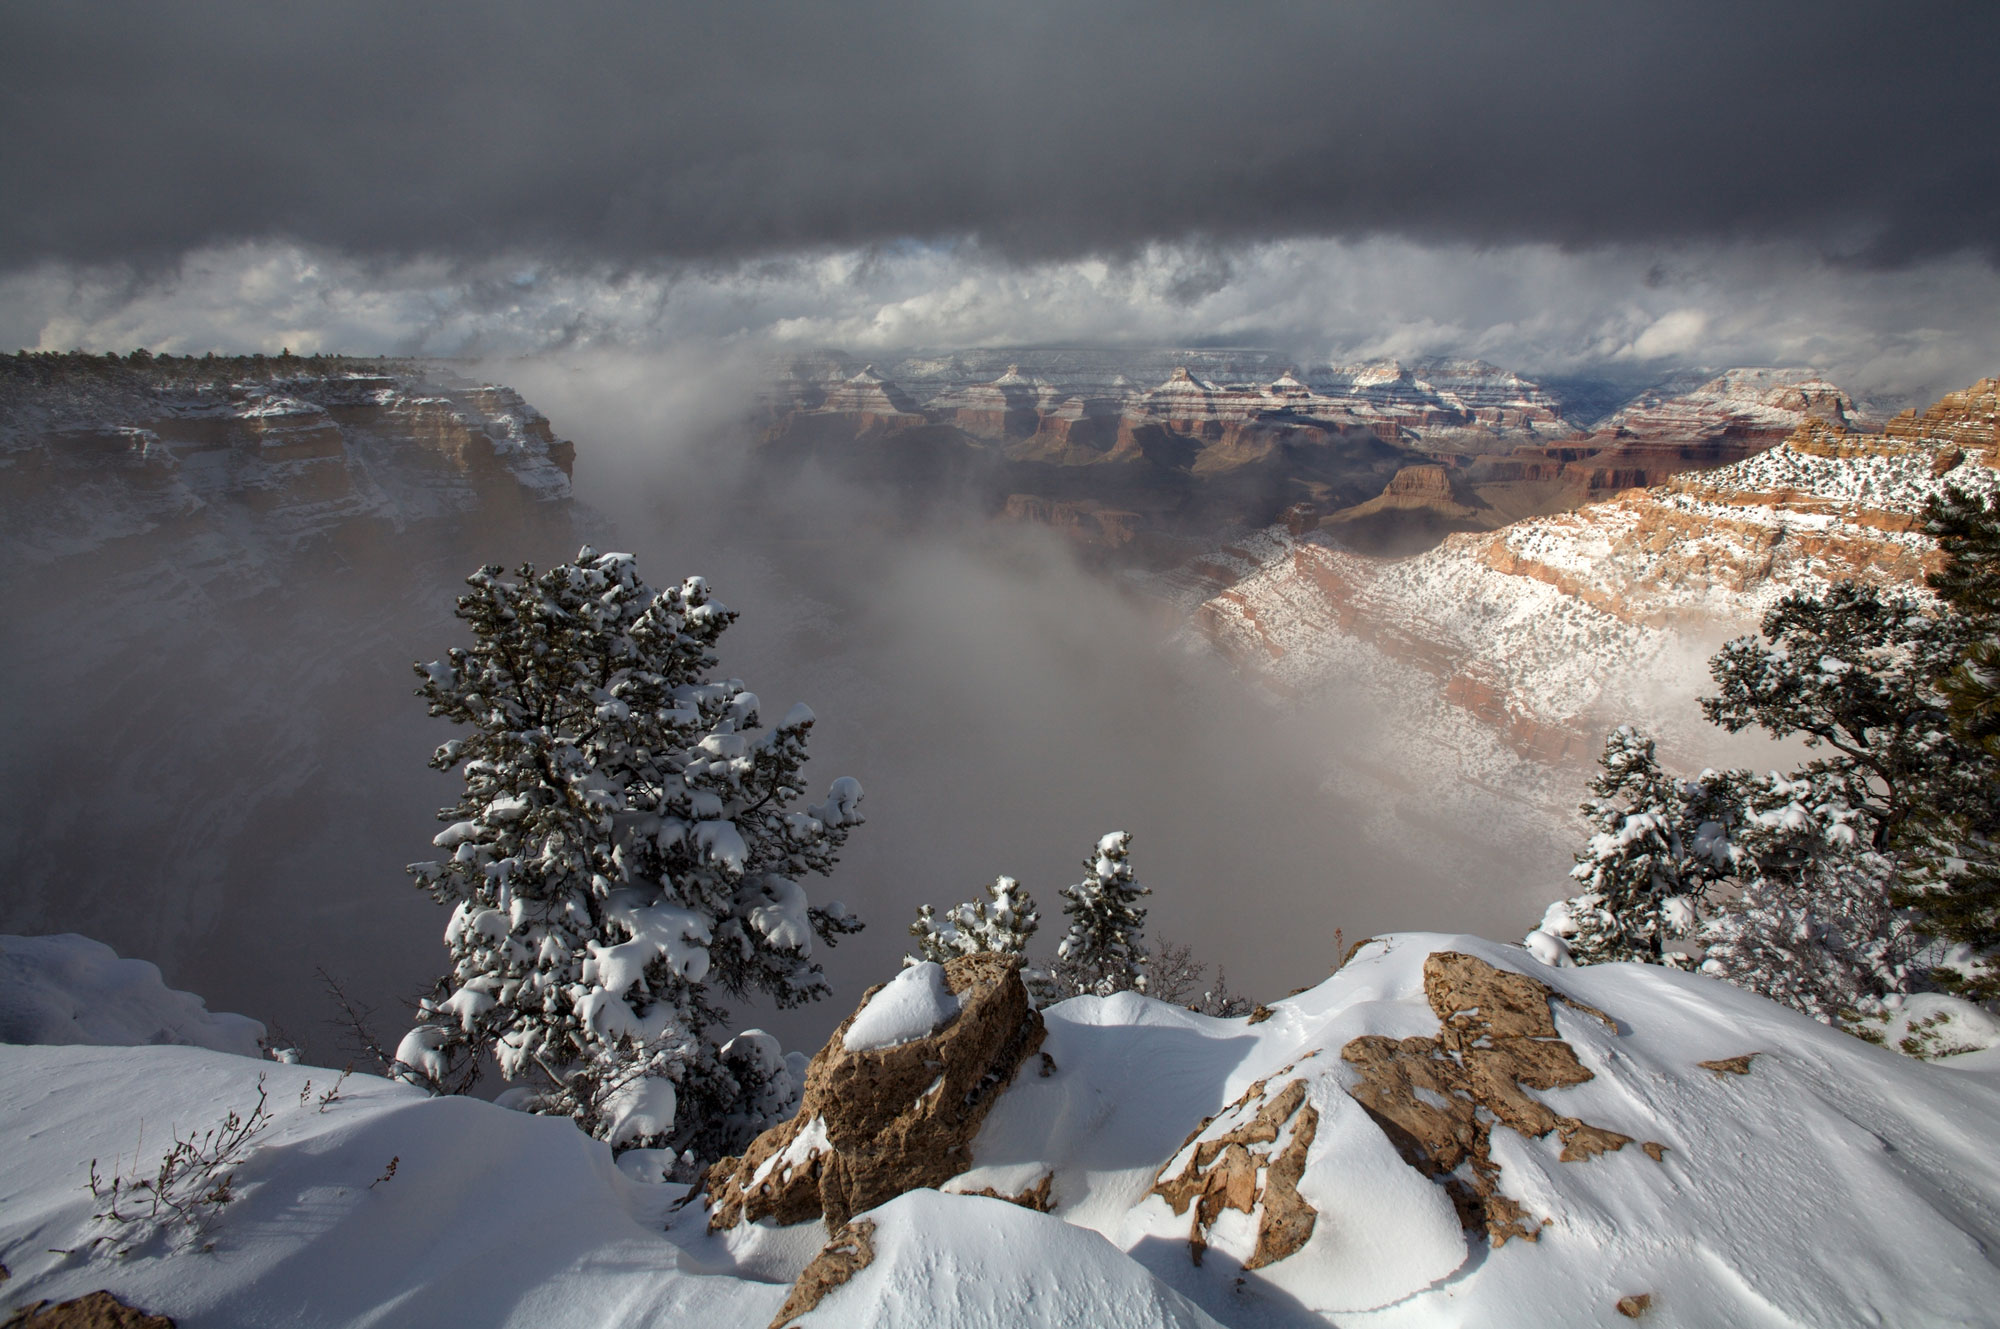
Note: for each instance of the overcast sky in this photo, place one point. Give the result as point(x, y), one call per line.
point(1552, 185)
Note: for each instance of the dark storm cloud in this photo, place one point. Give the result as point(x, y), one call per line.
point(639, 131)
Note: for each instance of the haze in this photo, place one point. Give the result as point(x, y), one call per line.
point(624, 211)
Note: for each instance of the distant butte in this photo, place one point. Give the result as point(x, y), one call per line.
point(1136, 454)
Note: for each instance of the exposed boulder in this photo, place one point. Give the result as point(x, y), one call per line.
point(1261, 1136)
point(1438, 1098)
point(98, 1310)
point(874, 1121)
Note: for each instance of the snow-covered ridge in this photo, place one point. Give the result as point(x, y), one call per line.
point(1723, 1159)
point(106, 453)
point(1746, 399)
point(1555, 627)
point(70, 989)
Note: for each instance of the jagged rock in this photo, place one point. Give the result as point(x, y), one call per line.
point(97, 1310)
point(1724, 1066)
point(874, 1123)
point(1438, 1098)
point(1226, 1164)
point(851, 1250)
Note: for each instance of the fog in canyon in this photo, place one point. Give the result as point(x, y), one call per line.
point(229, 782)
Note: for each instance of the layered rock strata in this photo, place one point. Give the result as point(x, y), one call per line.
point(1553, 628)
point(1186, 442)
point(93, 452)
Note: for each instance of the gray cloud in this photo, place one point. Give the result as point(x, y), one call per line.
point(629, 132)
point(1914, 331)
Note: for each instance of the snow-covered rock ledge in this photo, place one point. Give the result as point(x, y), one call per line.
point(1821, 1181)
point(70, 989)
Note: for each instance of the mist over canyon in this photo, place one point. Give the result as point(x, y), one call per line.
point(1006, 581)
point(221, 588)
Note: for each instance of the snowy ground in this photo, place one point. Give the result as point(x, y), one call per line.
point(1835, 1184)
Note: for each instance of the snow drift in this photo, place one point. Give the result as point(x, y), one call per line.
point(70, 989)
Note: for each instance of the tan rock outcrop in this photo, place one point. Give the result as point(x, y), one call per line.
point(1968, 420)
point(851, 1250)
point(96, 1310)
point(875, 1123)
point(1248, 1158)
point(1439, 1098)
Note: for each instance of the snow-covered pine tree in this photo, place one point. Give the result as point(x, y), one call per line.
point(1854, 670)
point(1004, 922)
point(1953, 881)
point(1104, 951)
point(1659, 845)
point(1859, 672)
point(628, 840)
point(1813, 926)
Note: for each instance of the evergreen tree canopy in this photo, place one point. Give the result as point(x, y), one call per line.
point(1659, 844)
point(1004, 922)
point(1956, 892)
point(1104, 951)
point(629, 839)
point(1854, 670)
point(1968, 530)
point(1846, 879)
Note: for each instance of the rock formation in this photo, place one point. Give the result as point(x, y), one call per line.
point(1553, 627)
point(1416, 507)
point(1189, 441)
point(1439, 1098)
point(98, 1310)
point(851, 1250)
point(1225, 1164)
point(874, 1123)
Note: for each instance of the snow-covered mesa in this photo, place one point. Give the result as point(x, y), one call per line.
point(1828, 1183)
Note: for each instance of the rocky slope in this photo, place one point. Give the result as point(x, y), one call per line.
point(216, 575)
point(1556, 627)
point(1442, 1133)
point(1130, 451)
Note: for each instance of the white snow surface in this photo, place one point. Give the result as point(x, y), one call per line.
point(1837, 1183)
point(71, 989)
point(968, 1262)
point(909, 1007)
point(494, 1218)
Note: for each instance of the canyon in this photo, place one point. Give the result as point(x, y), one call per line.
point(219, 572)
point(1553, 629)
point(1133, 455)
